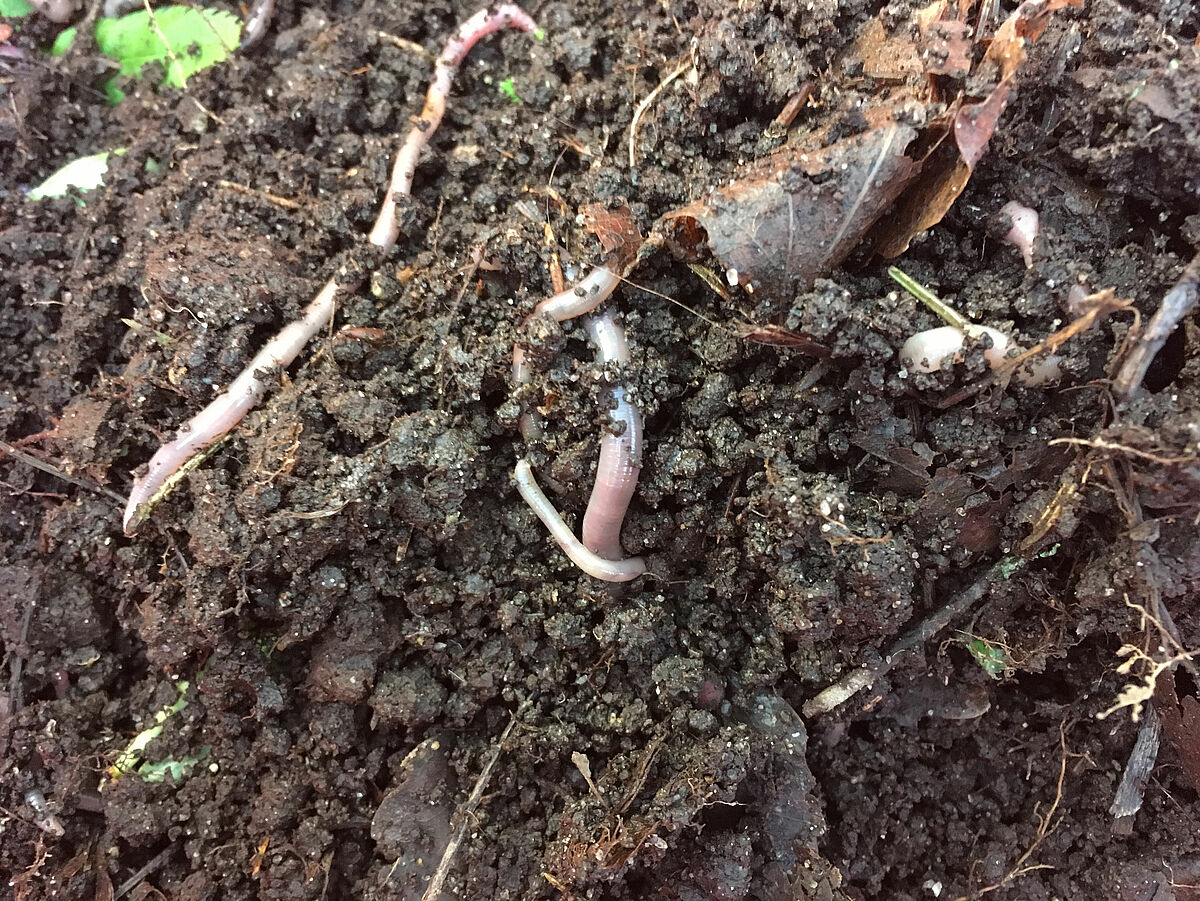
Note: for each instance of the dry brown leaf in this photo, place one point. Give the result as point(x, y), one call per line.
point(1027, 23)
point(615, 230)
point(942, 179)
point(928, 15)
point(975, 123)
point(795, 215)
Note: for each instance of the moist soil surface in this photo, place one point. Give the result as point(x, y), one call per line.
point(343, 643)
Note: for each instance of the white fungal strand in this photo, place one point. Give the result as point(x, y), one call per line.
point(1024, 229)
point(620, 450)
point(226, 411)
point(939, 348)
point(590, 562)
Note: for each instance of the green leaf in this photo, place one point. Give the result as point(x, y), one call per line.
point(194, 40)
point(176, 769)
point(509, 89)
point(85, 173)
point(989, 656)
point(15, 8)
point(63, 42)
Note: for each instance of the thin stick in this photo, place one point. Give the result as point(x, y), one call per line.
point(284, 202)
point(467, 811)
point(688, 63)
point(1176, 305)
point(864, 677)
point(47, 468)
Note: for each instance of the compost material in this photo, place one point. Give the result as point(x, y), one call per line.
point(343, 659)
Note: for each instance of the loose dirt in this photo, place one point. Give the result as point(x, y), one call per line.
point(357, 600)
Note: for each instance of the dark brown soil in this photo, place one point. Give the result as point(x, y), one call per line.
point(358, 601)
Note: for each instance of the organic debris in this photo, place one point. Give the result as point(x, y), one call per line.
point(794, 215)
point(948, 169)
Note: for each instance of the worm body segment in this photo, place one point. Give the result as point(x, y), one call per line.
point(226, 411)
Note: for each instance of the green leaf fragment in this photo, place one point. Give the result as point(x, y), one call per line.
point(129, 758)
point(63, 42)
point(509, 89)
point(176, 769)
point(989, 656)
point(14, 9)
point(84, 173)
point(197, 39)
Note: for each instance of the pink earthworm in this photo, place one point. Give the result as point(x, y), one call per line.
point(599, 554)
point(620, 451)
point(591, 291)
point(227, 410)
point(484, 22)
point(591, 563)
point(1024, 229)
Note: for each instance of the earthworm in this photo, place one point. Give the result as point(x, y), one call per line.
point(591, 291)
point(591, 563)
point(227, 410)
point(620, 451)
point(599, 554)
point(484, 22)
point(257, 20)
point(59, 11)
point(1024, 229)
point(936, 348)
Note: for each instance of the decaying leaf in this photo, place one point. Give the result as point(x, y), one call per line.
point(946, 48)
point(945, 176)
point(942, 179)
point(892, 57)
point(615, 230)
point(1027, 23)
point(975, 122)
point(794, 215)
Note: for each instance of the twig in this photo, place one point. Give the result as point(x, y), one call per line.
point(864, 676)
point(1177, 303)
point(284, 202)
point(466, 812)
point(405, 44)
point(47, 468)
point(688, 63)
point(137, 878)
